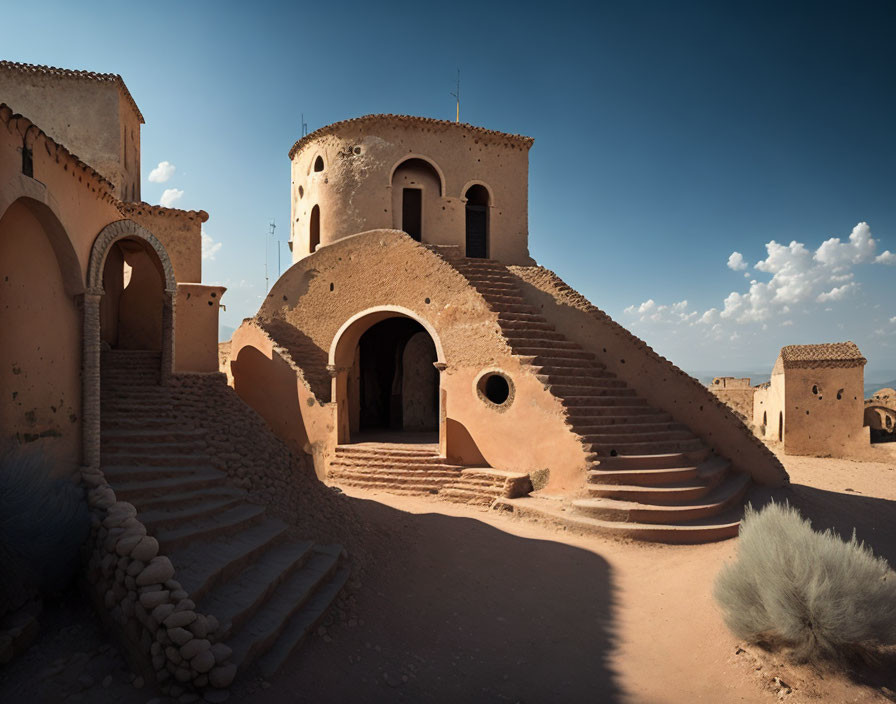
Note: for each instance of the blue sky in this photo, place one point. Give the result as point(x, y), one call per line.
point(667, 137)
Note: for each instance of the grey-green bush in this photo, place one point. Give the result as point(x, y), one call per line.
point(43, 523)
point(819, 596)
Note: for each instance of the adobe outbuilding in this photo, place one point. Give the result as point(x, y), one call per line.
point(814, 402)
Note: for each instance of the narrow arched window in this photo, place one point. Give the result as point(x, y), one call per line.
point(477, 221)
point(314, 229)
point(319, 164)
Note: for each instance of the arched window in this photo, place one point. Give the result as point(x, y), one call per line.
point(477, 221)
point(319, 164)
point(314, 229)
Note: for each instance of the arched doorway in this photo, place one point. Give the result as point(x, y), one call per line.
point(477, 221)
point(416, 191)
point(394, 384)
point(134, 297)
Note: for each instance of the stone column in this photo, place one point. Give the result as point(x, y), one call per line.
point(339, 395)
point(168, 318)
point(90, 379)
point(443, 411)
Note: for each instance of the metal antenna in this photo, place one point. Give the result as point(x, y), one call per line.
point(304, 125)
point(273, 237)
point(456, 95)
point(266, 265)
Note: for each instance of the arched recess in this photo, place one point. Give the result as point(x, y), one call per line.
point(417, 186)
point(103, 247)
point(40, 320)
point(387, 405)
point(477, 199)
point(314, 230)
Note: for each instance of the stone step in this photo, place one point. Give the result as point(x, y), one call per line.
point(552, 356)
point(624, 420)
point(719, 527)
point(646, 461)
point(226, 522)
point(502, 297)
point(150, 458)
point(643, 447)
point(390, 471)
point(420, 487)
point(617, 436)
point(556, 363)
point(613, 402)
point(594, 394)
point(134, 491)
point(362, 456)
point(261, 632)
point(166, 518)
point(583, 381)
point(116, 473)
point(191, 498)
point(141, 436)
point(582, 391)
point(202, 566)
point(236, 600)
point(520, 317)
point(635, 428)
point(518, 308)
point(596, 414)
point(722, 497)
point(469, 495)
point(678, 492)
point(523, 341)
point(303, 622)
point(641, 477)
point(523, 328)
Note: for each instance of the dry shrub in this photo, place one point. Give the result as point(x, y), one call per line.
point(812, 593)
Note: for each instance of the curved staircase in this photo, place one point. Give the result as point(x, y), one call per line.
point(235, 561)
point(651, 478)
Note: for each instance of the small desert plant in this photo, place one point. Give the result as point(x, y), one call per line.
point(43, 522)
point(818, 596)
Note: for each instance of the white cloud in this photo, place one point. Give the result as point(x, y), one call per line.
point(209, 247)
point(787, 324)
point(886, 257)
point(736, 262)
point(893, 320)
point(800, 277)
point(170, 196)
point(164, 171)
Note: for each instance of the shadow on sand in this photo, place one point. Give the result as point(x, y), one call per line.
point(455, 610)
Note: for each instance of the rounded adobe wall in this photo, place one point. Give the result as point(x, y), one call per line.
point(334, 296)
point(355, 173)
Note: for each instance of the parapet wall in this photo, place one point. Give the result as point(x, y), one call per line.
point(664, 385)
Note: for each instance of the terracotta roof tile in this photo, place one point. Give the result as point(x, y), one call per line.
point(418, 121)
point(72, 73)
point(141, 208)
point(829, 354)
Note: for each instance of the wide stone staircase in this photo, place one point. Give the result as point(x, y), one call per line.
point(651, 477)
point(418, 469)
point(236, 562)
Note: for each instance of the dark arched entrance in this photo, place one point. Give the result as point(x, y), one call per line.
point(134, 297)
point(395, 385)
point(477, 221)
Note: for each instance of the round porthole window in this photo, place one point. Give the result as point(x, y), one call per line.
point(495, 389)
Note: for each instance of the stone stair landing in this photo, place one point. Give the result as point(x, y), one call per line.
point(236, 562)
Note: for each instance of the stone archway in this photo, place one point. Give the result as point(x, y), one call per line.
point(103, 247)
point(380, 361)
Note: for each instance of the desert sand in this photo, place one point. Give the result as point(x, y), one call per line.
point(457, 603)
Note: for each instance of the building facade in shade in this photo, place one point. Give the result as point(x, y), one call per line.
point(414, 307)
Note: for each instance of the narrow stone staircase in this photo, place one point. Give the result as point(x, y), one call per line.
point(236, 562)
point(648, 472)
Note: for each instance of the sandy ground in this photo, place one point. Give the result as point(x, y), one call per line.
point(466, 605)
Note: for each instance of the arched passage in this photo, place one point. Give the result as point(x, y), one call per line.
point(40, 358)
point(385, 366)
point(477, 221)
point(151, 256)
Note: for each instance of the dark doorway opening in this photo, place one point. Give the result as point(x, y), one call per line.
point(780, 427)
point(477, 222)
point(398, 385)
point(131, 308)
point(412, 212)
point(314, 230)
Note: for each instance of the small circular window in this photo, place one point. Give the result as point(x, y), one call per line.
point(495, 389)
